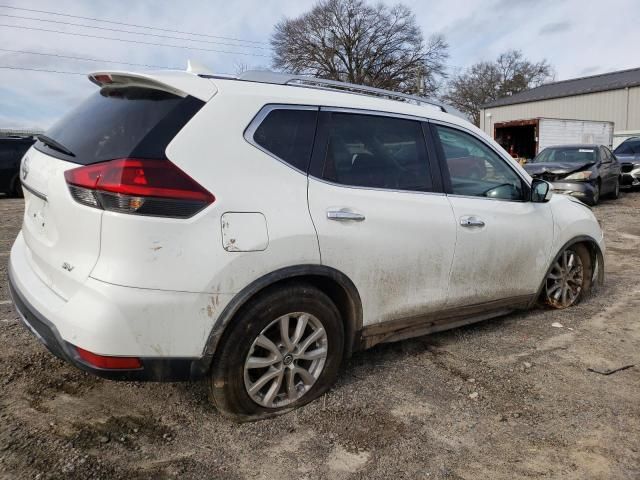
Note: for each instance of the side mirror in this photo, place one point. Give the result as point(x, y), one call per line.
point(540, 191)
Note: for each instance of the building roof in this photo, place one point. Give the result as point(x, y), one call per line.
point(574, 86)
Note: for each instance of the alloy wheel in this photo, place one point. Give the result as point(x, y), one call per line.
point(285, 360)
point(564, 282)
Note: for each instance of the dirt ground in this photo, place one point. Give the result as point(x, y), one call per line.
point(507, 398)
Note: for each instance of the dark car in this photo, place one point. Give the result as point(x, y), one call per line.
point(583, 171)
point(628, 154)
point(12, 150)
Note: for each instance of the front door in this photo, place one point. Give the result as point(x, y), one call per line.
point(379, 214)
point(503, 240)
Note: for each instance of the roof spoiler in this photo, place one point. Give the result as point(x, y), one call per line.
point(177, 82)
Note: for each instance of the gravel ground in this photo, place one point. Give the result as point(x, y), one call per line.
point(507, 398)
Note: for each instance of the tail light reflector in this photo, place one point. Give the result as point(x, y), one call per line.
point(107, 362)
point(138, 186)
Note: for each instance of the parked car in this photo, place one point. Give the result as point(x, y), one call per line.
point(11, 151)
point(257, 230)
point(583, 171)
point(628, 154)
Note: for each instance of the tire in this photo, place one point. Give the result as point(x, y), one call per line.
point(556, 277)
point(615, 194)
point(596, 195)
point(234, 371)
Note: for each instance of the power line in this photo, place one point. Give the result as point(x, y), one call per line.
point(132, 25)
point(98, 60)
point(29, 69)
point(87, 35)
point(41, 70)
point(119, 30)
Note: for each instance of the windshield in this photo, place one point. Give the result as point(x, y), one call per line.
point(566, 155)
point(629, 147)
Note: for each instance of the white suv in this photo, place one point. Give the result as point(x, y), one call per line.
point(257, 230)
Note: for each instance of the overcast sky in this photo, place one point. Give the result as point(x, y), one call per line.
point(578, 37)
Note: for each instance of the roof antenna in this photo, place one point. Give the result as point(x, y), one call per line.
point(198, 68)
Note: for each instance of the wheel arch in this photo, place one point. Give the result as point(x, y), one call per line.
point(332, 282)
point(597, 259)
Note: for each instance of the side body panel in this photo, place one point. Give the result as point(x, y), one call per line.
point(212, 150)
point(572, 219)
point(506, 257)
point(399, 257)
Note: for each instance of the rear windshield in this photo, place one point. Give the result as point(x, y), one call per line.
point(629, 147)
point(566, 155)
point(121, 122)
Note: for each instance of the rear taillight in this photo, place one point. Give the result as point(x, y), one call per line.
point(138, 186)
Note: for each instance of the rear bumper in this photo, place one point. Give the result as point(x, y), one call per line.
point(153, 369)
point(167, 331)
point(581, 190)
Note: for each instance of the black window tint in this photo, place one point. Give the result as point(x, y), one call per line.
point(11, 151)
point(376, 151)
point(475, 169)
point(608, 155)
point(288, 134)
point(628, 147)
point(122, 122)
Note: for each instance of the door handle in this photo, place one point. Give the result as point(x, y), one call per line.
point(344, 215)
point(471, 221)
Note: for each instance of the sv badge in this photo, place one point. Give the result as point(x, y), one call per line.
point(68, 267)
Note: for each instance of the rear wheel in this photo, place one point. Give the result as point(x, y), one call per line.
point(616, 189)
point(596, 194)
point(282, 351)
point(569, 278)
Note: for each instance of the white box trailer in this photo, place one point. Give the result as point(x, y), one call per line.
point(526, 138)
point(621, 135)
point(554, 131)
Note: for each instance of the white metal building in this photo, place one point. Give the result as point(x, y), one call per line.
point(610, 97)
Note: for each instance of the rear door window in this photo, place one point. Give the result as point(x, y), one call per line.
point(475, 169)
point(629, 147)
point(608, 156)
point(377, 152)
point(287, 133)
point(121, 122)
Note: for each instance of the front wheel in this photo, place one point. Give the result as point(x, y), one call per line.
point(569, 278)
point(282, 351)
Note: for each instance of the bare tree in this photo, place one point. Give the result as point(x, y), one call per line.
point(486, 81)
point(351, 41)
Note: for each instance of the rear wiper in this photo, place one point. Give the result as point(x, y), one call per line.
point(51, 143)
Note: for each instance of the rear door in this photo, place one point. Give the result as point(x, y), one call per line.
point(611, 166)
point(62, 235)
point(503, 240)
point(376, 203)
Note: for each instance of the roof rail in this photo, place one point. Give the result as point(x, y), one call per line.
point(265, 76)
